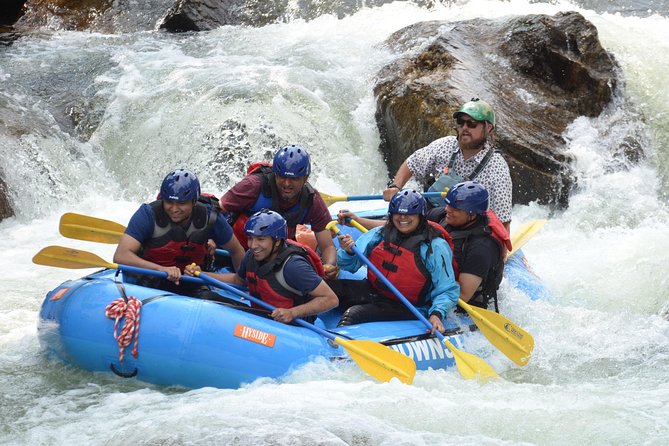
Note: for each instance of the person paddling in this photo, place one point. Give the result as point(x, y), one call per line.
point(413, 254)
point(281, 272)
point(174, 231)
point(480, 242)
point(283, 187)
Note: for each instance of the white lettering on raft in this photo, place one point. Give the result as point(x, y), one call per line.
point(425, 349)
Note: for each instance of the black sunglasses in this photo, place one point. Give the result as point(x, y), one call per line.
point(470, 123)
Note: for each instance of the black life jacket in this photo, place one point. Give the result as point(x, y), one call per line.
point(172, 245)
point(488, 226)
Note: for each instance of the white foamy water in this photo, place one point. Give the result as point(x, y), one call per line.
point(599, 371)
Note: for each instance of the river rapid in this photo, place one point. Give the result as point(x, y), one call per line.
point(153, 102)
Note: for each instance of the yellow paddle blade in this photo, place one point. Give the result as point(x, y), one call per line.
point(379, 361)
point(509, 338)
point(70, 258)
point(83, 227)
point(471, 366)
point(330, 199)
point(523, 234)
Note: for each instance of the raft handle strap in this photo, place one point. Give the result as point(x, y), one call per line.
point(123, 374)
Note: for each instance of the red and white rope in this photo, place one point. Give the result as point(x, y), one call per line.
point(130, 310)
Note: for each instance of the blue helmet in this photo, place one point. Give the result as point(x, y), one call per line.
point(408, 202)
point(267, 223)
point(292, 161)
point(469, 196)
point(180, 185)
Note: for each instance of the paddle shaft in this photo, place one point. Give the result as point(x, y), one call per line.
point(153, 272)
point(334, 198)
point(470, 366)
point(207, 278)
point(202, 281)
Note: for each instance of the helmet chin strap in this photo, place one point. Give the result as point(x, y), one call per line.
point(471, 218)
point(275, 247)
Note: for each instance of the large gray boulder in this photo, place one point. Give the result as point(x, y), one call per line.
point(538, 72)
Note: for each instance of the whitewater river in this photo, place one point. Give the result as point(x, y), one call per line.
point(152, 102)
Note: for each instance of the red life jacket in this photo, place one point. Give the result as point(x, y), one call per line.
point(172, 245)
point(443, 233)
point(269, 199)
point(499, 233)
point(266, 281)
point(403, 265)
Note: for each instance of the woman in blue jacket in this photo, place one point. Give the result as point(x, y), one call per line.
point(415, 257)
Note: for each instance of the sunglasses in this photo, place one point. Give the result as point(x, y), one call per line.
point(470, 123)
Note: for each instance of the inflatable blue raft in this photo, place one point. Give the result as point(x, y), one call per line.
point(190, 342)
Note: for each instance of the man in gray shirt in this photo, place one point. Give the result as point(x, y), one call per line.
point(468, 156)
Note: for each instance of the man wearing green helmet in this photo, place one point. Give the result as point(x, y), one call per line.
point(470, 155)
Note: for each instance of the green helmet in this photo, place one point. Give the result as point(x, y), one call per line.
point(479, 110)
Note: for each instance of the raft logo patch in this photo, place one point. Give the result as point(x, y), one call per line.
point(255, 335)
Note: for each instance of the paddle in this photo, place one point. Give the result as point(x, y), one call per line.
point(83, 227)
point(507, 337)
point(330, 199)
point(523, 234)
point(70, 258)
point(470, 366)
point(92, 229)
point(381, 362)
